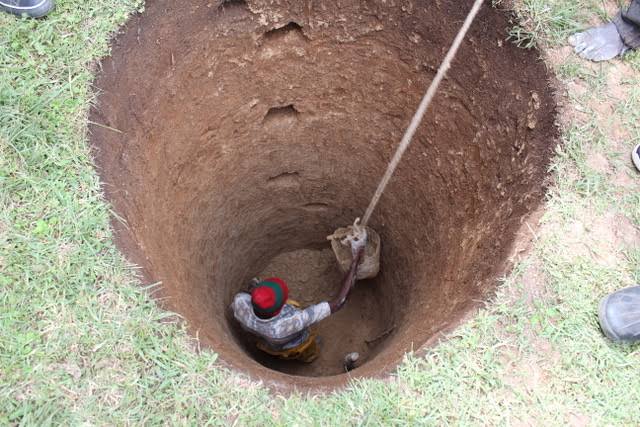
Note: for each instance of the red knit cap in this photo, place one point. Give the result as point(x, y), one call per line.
point(269, 297)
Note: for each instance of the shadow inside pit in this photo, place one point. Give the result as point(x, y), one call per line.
point(363, 325)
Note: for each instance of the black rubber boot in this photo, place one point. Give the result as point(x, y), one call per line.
point(32, 8)
point(619, 315)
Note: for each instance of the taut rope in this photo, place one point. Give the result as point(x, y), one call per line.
point(424, 105)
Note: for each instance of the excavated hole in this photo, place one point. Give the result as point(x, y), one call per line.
point(233, 138)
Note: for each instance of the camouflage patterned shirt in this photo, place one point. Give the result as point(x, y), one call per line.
point(286, 330)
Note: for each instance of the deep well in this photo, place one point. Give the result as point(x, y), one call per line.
point(235, 137)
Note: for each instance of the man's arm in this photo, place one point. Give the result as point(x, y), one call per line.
point(347, 283)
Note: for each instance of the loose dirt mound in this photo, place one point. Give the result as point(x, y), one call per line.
point(244, 133)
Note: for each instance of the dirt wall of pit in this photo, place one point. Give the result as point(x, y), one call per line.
point(247, 131)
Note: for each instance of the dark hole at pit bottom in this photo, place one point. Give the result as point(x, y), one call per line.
point(237, 144)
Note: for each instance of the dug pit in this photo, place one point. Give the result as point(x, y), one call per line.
point(233, 137)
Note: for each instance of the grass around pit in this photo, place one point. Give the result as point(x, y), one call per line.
point(81, 342)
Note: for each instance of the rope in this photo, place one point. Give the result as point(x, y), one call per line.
point(424, 105)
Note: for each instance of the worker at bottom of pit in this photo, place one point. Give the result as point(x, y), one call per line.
point(282, 327)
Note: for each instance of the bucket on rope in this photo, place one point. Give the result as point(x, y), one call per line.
point(340, 244)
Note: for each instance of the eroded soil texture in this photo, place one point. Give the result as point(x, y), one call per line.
point(234, 137)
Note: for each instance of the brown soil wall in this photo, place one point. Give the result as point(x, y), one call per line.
point(247, 132)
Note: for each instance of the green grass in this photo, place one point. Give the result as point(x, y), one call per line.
point(81, 342)
point(546, 21)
